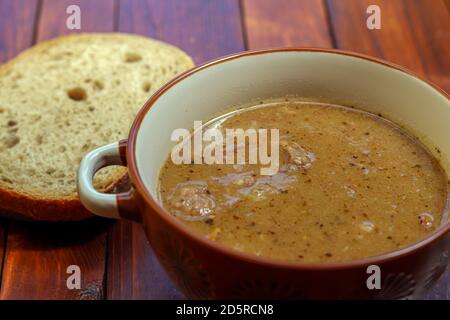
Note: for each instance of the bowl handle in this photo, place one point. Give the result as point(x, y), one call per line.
point(121, 205)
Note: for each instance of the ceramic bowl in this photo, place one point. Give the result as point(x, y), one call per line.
point(208, 270)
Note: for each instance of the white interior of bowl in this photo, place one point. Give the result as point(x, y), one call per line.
point(329, 77)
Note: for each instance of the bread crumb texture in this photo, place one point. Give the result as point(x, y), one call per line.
point(65, 97)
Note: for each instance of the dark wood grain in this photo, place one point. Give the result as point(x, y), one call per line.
point(205, 29)
point(275, 23)
point(133, 270)
point(96, 16)
point(414, 34)
point(17, 20)
point(37, 255)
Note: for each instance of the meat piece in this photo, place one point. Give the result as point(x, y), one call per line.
point(191, 201)
point(297, 157)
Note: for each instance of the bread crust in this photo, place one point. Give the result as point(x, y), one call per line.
point(22, 206)
point(25, 207)
point(74, 38)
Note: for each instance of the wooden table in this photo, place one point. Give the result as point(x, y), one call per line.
point(115, 259)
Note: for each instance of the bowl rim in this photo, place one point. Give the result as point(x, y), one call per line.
point(182, 229)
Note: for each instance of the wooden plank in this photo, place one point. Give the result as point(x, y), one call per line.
point(37, 255)
point(414, 34)
point(16, 26)
point(16, 33)
point(275, 23)
point(96, 16)
point(430, 24)
point(133, 270)
point(205, 29)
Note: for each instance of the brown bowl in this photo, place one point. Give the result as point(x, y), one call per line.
point(208, 270)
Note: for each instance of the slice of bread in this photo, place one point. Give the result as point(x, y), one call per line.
point(63, 98)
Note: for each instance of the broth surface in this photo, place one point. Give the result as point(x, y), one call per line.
point(350, 185)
